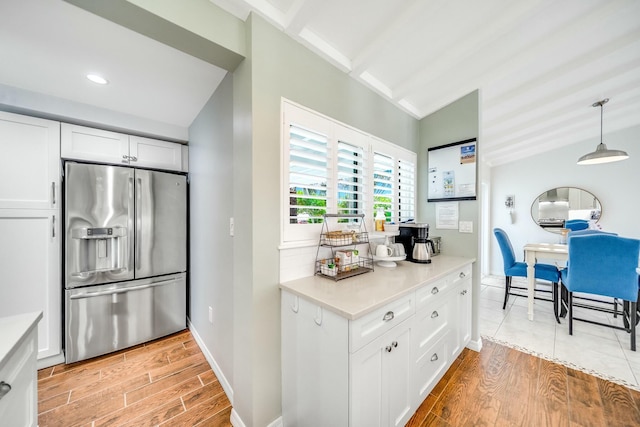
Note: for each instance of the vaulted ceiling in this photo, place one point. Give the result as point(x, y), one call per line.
point(539, 64)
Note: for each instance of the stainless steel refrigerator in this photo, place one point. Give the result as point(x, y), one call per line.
point(125, 257)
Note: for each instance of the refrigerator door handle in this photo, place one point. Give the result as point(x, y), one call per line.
point(138, 239)
point(120, 291)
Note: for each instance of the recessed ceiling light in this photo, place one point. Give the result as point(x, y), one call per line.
point(97, 79)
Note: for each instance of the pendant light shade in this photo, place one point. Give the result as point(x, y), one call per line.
point(602, 153)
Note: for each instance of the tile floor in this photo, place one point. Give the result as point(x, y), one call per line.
point(598, 350)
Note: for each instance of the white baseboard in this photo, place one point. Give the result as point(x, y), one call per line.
point(214, 366)
point(475, 345)
point(276, 423)
point(47, 362)
point(237, 422)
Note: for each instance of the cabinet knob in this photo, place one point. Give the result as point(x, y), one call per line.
point(462, 275)
point(434, 315)
point(388, 316)
point(434, 357)
point(388, 348)
point(463, 292)
point(394, 344)
point(133, 158)
point(435, 290)
point(4, 389)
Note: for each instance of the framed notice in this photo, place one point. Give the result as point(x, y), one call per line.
point(452, 171)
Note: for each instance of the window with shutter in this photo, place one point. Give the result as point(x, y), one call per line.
point(383, 185)
point(308, 174)
point(406, 190)
point(332, 168)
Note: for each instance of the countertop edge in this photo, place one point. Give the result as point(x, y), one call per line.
point(294, 287)
point(15, 330)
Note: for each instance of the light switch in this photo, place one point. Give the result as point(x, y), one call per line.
point(465, 226)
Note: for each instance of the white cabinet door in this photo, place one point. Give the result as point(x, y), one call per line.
point(29, 163)
point(315, 365)
point(380, 380)
point(30, 266)
point(156, 154)
point(19, 407)
point(85, 143)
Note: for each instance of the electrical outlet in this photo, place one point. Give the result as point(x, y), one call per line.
point(231, 227)
point(210, 314)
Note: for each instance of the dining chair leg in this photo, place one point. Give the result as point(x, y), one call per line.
point(633, 313)
point(507, 288)
point(564, 299)
point(555, 300)
point(570, 298)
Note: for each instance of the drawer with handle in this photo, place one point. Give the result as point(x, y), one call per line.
point(426, 294)
point(374, 324)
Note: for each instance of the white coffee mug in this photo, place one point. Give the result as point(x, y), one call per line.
point(383, 251)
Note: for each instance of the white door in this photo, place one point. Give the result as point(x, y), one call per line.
point(30, 266)
point(95, 145)
point(30, 162)
point(156, 154)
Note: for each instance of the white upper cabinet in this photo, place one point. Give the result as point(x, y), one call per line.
point(30, 162)
point(95, 145)
point(83, 143)
point(156, 154)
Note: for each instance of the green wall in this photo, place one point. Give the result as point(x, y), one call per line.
point(458, 121)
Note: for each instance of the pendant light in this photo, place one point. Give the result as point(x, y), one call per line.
point(602, 153)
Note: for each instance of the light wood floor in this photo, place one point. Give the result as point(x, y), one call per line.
point(504, 387)
point(166, 382)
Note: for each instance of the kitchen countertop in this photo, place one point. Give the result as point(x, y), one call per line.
point(358, 295)
point(14, 330)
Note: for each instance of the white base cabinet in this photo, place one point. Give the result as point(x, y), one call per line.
point(375, 370)
point(96, 145)
point(18, 374)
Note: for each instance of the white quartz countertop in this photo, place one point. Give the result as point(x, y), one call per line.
point(358, 295)
point(13, 329)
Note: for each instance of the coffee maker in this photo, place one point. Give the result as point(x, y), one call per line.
point(417, 245)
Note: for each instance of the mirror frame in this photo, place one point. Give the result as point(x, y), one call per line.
point(555, 223)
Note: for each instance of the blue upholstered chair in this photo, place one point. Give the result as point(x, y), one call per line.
point(513, 268)
point(576, 224)
point(593, 303)
point(604, 265)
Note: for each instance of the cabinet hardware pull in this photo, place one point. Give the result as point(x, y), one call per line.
point(463, 292)
point(318, 318)
point(394, 344)
point(133, 158)
point(53, 227)
point(388, 316)
point(4, 389)
point(296, 304)
point(53, 193)
point(434, 357)
point(434, 315)
point(388, 348)
point(462, 275)
point(125, 159)
point(435, 290)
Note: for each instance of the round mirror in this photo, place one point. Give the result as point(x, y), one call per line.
point(554, 207)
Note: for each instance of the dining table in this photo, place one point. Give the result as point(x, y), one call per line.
point(533, 251)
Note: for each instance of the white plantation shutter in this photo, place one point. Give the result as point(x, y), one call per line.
point(308, 175)
point(406, 190)
point(383, 184)
point(350, 167)
point(331, 168)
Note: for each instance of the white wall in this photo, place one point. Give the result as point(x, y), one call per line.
point(614, 184)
